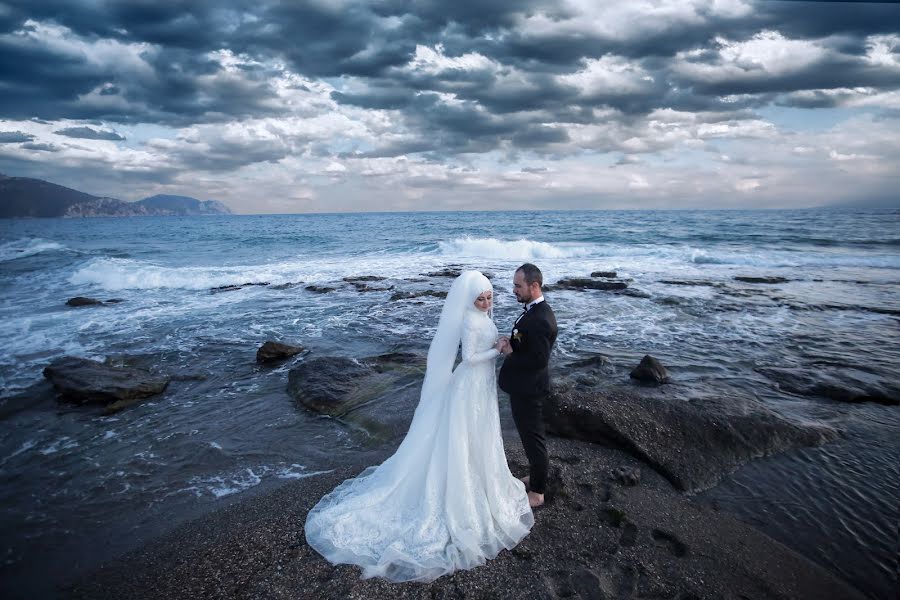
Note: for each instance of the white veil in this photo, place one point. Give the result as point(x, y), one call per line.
point(442, 352)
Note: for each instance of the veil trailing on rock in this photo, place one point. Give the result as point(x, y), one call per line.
point(445, 500)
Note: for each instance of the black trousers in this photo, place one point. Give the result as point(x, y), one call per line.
point(528, 414)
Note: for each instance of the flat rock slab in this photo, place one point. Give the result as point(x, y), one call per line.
point(844, 384)
point(691, 443)
point(377, 393)
point(84, 381)
point(575, 283)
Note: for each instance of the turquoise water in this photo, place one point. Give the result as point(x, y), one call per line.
point(68, 473)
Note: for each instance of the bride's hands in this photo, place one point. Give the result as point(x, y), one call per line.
point(503, 346)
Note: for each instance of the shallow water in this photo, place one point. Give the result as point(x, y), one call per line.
point(226, 426)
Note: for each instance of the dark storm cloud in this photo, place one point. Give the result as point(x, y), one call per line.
point(89, 133)
point(41, 147)
point(14, 137)
point(510, 101)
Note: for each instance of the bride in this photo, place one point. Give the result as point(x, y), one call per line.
point(445, 500)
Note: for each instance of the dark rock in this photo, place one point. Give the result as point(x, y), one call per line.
point(114, 301)
point(747, 279)
point(597, 360)
point(362, 287)
point(444, 273)
point(288, 285)
point(272, 351)
point(319, 289)
point(378, 394)
point(635, 293)
point(843, 384)
point(82, 381)
point(691, 283)
point(607, 274)
point(231, 288)
point(650, 369)
point(363, 278)
point(82, 301)
point(575, 283)
point(409, 295)
point(692, 443)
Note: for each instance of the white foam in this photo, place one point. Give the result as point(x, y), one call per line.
point(521, 249)
point(26, 247)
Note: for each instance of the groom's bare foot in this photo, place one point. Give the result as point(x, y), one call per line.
point(535, 499)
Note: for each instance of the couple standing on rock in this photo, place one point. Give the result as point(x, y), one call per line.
point(446, 499)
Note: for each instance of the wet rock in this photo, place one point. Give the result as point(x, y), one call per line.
point(82, 301)
point(319, 289)
point(85, 381)
point(231, 288)
point(378, 394)
point(286, 286)
point(690, 283)
point(449, 272)
point(692, 443)
point(363, 279)
point(363, 287)
point(409, 295)
point(576, 283)
point(843, 384)
point(272, 351)
point(748, 279)
point(606, 274)
point(650, 369)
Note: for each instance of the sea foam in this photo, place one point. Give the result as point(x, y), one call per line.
point(521, 249)
point(23, 247)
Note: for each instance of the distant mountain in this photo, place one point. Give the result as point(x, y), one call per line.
point(26, 197)
point(183, 205)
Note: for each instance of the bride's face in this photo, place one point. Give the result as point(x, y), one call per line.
point(484, 301)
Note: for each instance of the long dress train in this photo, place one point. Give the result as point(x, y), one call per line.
point(445, 500)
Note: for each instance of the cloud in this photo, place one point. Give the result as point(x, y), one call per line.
point(13, 137)
point(88, 133)
point(394, 102)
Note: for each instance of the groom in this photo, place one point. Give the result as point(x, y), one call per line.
point(524, 374)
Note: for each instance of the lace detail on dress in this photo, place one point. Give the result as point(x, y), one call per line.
point(446, 499)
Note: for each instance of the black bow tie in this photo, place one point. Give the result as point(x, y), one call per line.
point(525, 309)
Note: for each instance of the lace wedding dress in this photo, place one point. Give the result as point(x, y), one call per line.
point(446, 499)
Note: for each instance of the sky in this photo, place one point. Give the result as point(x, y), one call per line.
point(346, 105)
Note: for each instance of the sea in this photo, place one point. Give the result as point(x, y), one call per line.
point(78, 487)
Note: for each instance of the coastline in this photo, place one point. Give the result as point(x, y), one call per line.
point(595, 538)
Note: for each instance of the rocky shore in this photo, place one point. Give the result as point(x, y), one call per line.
point(620, 521)
point(598, 536)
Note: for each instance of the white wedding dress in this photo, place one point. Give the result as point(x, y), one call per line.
point(446, 499)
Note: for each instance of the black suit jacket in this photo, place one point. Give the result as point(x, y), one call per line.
point(525, 372)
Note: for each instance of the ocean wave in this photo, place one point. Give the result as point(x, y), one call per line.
point(521, 249)
point(793, 259)
point(122, 273)
point(24, 247)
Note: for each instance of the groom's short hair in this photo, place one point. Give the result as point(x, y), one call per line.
point(532, 274)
